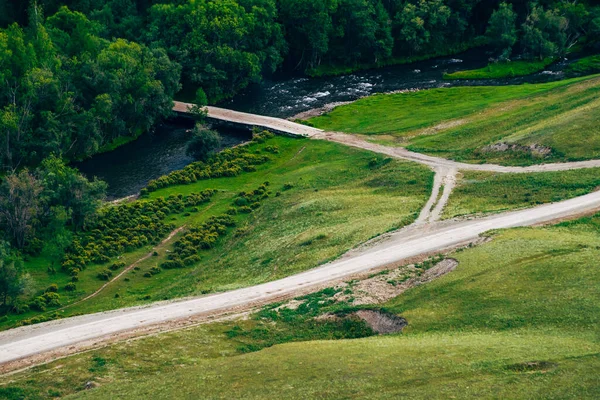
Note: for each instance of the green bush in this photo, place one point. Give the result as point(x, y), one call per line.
point(104, 275)
point(228, 163)
point(116, 266)
point(52, 299)
point(38, 304)
point(52, 288)
point(155, 270)
point(70, 287)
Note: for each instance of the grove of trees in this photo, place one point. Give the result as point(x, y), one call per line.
point(96, 70)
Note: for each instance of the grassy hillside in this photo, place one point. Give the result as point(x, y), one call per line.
point(586, 65)
point(536, 123)
point(518, 318)
point(502, 70)
point(323, 200)
point(486, 192)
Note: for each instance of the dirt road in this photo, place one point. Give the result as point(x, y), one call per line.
point(292, 128)
point(422, 238)
point(413, 241)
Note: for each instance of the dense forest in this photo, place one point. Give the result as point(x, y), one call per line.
point(78, 76)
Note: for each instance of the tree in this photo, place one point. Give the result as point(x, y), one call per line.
point(66, 91)
point(222, 45)
point(578, 19)
point(363, 32)
point(13, 281)
point(204, 142)
point(198, 110)
point(423, 26)
point(58, 236)
point(544, 33)
point(502, 30)
point(308, 29)
point(19, 205)
point(64, 188)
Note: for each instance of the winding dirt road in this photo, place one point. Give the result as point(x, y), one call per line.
point(422, 238)
point(292, 128)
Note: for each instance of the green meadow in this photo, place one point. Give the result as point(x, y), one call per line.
point(538, 123)
point(324, 199)
point(517, 319)
point(489, 192)
point(499, 70)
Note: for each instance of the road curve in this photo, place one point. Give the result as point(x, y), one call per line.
point(292, 128)
point(400, 152)
point(413, 241)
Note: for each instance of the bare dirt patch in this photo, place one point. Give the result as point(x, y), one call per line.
point(534, 148)
point(382, 323)
point(387, 285)
point(441, 126)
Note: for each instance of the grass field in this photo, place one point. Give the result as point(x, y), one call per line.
point(500, 70)
point(518, 318)
point(336, 198)
point(538, 122)
point(586, 65)
point(487, 192)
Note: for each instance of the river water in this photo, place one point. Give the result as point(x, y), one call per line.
point(287, 97)
point(130, 167)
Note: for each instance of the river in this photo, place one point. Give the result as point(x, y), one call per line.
point(130, 167)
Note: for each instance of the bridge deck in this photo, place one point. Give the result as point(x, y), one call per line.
point(252, 120)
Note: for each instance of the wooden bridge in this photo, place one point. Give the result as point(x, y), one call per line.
point(238, 119)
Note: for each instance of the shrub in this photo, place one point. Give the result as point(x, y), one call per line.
point(241, 201)
point(232, 211)
point(172, 264)
point(204, 143)
point(155, 270)
point(70, 287)
point(104, 275)
point(52, 288)
point(52, 299)
point(228, 163)
point(191, 260)
point(117, 266)
point(38, 304)
point(19, 308)
point(287, 186)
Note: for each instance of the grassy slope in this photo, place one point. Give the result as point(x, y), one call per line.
point(531, 294)
point(485, 192)
point(502, 70)
point(586, 65)
point(559, 115)
point(337, 201)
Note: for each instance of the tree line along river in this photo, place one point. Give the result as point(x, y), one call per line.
point(130, 167)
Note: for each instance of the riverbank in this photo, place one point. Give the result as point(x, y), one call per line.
point(327, 70)
point(500, 70)
point(509, 125)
